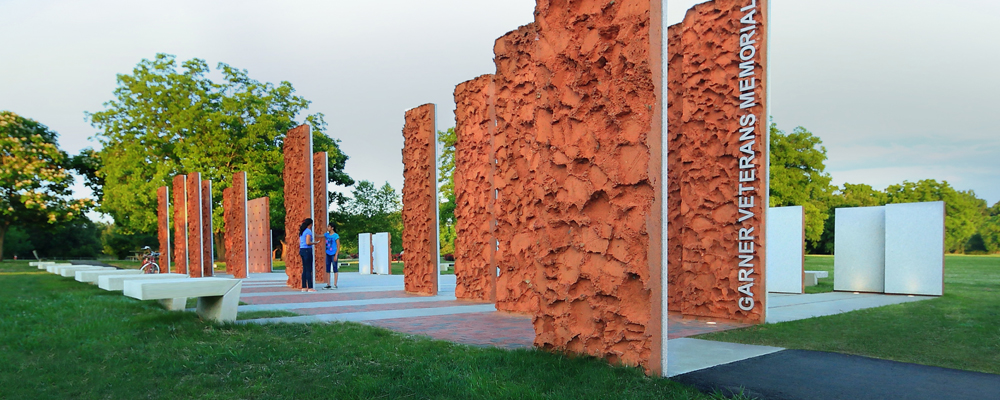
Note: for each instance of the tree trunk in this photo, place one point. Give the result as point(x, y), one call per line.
point(3, 233)
point(220, 245)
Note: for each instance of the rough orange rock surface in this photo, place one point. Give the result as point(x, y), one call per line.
point(703, 158)
point(475, 270)
point(195, 243)
point(163, 227)
point(259, 235)
point(180, 225)
point(517, 208)
point(234, 202)
point(595, 167)
point(321, 213)
point(420, 226)
point(298, 197)
point(207, 247)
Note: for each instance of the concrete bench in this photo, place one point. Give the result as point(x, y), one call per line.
point(117, 282)
point(92, 275)
point(813, 277)
point(39, 264)
point(70, 272)
point(218, 298)
point(51, 268)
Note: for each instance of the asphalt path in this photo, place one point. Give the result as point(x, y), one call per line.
point(802, 374)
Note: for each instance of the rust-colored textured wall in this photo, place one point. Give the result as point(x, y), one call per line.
point(195, 243)
point(163, 227)
point(259, 235)
point(420, 225)
point(705, 151)
point(180, 225)
point(597, 175)
point(207, 247)
point(517, 205)
point(475, 270)
point(298, 197)
point(234, 203)
point(321, 212)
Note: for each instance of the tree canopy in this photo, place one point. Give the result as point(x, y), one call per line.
point(164, 122)
point(446, 194)
point(34, 181)
point(369, 209)
point(799, 178)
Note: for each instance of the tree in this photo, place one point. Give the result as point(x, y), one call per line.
point(798, 177)
point(164, 122)
point(34, 182)
point(369, 210)
point(76, 239)
point(989, 232)
point(964, 212)
point(446, 199)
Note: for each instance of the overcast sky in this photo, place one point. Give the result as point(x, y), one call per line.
point(896, 89)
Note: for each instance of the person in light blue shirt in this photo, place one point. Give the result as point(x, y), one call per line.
point(306, 243)
point(332, 253)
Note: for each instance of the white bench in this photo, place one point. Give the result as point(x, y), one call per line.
point(813, 277)
point(70, 272)
point(218, 298)
point(51, 268)
point(91, 276)
point(117, 282)
point(39, 264)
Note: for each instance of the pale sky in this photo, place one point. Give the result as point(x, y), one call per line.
point(896, 89)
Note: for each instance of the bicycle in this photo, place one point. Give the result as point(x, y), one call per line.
point(149, 265)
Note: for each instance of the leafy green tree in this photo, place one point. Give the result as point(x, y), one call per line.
point(163, 122)
point(119, 244)
point(446, 193)
point(964, 212)
point(17, 243)
point(34, 182)
point(798, 177)
point(989, 232)
point(369, 209)
point(76, 239)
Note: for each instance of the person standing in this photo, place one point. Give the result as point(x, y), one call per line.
point(332, 251)
point(306, 243)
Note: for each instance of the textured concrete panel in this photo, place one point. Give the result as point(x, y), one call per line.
point(381, 253)
point(208, 245)
point(518, 215)
point(321, 212)
point(706, 148)
point(259, 243)
point(475, 270)
point(914, 248)
point(596, 177)
point(786, 246)
point(195, 231)
point(420, 219)
point(859, 250)
point(365, 254)
point(298, 197)
point(180, 225)
point(163, 227)
point(234, 203)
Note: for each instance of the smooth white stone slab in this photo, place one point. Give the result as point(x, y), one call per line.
point(381, 253)
point(51, 268)
point(70, 272)
point(914, 248)
point(218, 298)
point(117, 282)
point(91, 276)
point(785, 249)
point(365, 253)
point(859, 250)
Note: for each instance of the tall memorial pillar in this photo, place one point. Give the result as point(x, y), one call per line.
point(259, 244)
point(195, 230)
point(298, 153)
point(420, 206)
point(234, 203)
point(208, 245)
point(163, 227)
point(180, 225)
point(321, 212)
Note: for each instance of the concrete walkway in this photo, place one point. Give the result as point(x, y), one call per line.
point(793, 307)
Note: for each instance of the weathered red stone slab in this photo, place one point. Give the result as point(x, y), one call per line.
point(420, 220)
point(321, 212)
point(180, 225)
point(298, 197)
point(234, 203)
point(475, 268)
point(195, 230)
point(259, 235)
point(163, 227)
point(208, 245)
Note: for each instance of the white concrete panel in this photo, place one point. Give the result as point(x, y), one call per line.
point(914, 248)
point(381, 253)
point(364, 253)
point(785, 249)
point(859, 250)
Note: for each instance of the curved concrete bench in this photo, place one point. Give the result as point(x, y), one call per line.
point(117, 282)
point(218, 298)
point(70, 271)
point(92, 276)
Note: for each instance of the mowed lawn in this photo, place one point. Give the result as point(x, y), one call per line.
point(66, 340)
point(958, 330)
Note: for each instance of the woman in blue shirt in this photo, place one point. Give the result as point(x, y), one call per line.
point(306, 242)
point(332, 251)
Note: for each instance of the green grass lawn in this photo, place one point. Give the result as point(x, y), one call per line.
point(959, 330)
point(63, 339)
point(820, 263)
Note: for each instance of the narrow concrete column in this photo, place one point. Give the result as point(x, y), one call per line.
point(420, 205)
